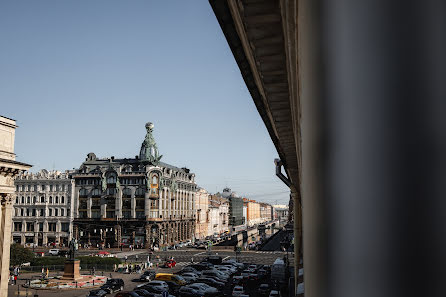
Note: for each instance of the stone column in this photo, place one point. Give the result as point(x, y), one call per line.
point(118, 235)
point(5, 241)
point(169, 203)
point(147, 205)
point(118, 204)
point(133, 204)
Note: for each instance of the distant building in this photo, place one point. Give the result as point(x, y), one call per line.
point(202, 214)
point(138, 201)
point(236, 220)
point(281, 211)
point(265, 212)
point(43, 209)
point(218, 214)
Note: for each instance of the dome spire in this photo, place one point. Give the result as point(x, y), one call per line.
point(149, 149)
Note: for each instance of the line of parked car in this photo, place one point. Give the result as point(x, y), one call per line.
point(212, 277)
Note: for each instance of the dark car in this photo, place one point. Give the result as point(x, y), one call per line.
point(189, 269)
point(62, 253)
point(97, 293)
point(264, 289)
point(216, 260)
point(145, 277)
point(211, 282)
point(127, 294)
point(201, 266)
point(208, 290)
point(113, 285)
point(145, 293)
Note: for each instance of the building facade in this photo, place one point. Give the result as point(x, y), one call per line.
point(9, 170)
point(202, 215)
point(236, 219)
point(138, 201)
point(43, 209)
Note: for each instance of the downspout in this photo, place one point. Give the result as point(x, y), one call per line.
point(297, 215)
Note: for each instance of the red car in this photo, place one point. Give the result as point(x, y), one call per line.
point(169, 263)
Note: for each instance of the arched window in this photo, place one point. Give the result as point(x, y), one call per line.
point(56, 212)
point(57, 199)
point(16, 200)
point(23, 199)
point(27, 212)
point(139, 193)
point(28, 200)
point(62, 199)
point(62, 212)
point(34, 199)
point(50, 212)
point(42, 199)
point(126, 193)
point(111, 179)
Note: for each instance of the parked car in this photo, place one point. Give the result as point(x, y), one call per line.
point(274, 293)
point(97, 293)
point(169, 264)
point(142, 278)
point(63, 253)
point(127, 294)
point(216, 260)
point(238, 280)
point(201, 266)
point(209, 290)
point(169, 277)
point(189, 277)
point(144, 293)
point(215, 273)
point(155, 286)
point(237, 291)
point(113, 285)
point(211, 282)
point(225, 270)
point(264, 289)
point(189, 269)
point(53, 252)
point(232, 262)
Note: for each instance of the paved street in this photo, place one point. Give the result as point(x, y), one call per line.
point(182, 257)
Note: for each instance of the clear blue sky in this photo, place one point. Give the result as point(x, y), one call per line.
point(85, 76)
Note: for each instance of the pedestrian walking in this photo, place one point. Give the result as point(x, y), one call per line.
point(125, 258)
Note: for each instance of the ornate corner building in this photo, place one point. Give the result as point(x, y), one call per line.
point(137, 201)
point(9, 169)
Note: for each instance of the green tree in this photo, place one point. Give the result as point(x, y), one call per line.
point(20, 255)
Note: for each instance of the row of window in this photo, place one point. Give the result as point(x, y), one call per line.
point(111, 180)
point(33, 212)
point(64, 227)
point(51, 188)
point(35, 200)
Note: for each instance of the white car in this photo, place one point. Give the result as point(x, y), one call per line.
point(53, 252)
point(274, 293)
point(237, 291)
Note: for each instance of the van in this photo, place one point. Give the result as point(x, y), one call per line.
point(278, 271)
point(169, 277)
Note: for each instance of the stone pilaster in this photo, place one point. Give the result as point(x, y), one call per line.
point(5, 240)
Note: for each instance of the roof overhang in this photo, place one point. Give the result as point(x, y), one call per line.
point(262, 37)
